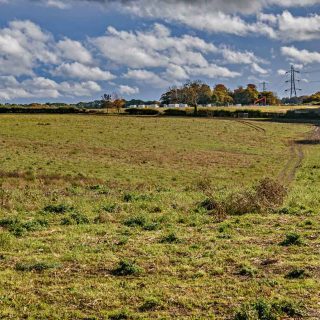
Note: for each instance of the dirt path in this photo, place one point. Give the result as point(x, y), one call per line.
point(296, 156)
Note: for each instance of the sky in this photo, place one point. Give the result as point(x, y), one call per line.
point(77, 50)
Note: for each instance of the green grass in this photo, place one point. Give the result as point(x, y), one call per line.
point(101, 218)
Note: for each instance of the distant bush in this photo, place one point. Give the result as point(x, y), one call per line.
point(137, 221)
point(126, 268)
point(175, 112)
point(142, 112)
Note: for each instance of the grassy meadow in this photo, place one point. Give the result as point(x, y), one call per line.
point(104, 217)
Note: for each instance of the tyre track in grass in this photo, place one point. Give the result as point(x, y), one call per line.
point(252, 125)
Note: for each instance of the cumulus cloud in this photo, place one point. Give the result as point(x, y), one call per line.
point(303, 56)
point(127, 90)
point(40, 87)
point(81, 71)
point(74, 50)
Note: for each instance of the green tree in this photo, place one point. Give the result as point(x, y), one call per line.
point(221, 96)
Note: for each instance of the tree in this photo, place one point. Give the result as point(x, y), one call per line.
point(246, 96)
point(221, 96)
point(119, 104)
point(195, 93)
point(271, 98)
point(107, 101)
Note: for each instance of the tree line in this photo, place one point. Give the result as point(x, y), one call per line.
point(196, 93)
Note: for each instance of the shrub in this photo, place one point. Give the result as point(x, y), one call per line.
point(126, 268)
point(291, 239)
point(128, 197)
point(175, 112)
point(142, 112)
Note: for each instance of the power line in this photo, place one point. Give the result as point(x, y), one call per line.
point(293, 87)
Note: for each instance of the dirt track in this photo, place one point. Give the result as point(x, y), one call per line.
point(296, 157)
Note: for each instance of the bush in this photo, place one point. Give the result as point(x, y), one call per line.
point(175, 112)
point(142, 112)
point(126, 268)
point(291, 239)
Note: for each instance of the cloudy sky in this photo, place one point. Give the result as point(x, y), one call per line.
point(76, 50)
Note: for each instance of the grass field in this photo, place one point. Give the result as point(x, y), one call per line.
point(101, 218)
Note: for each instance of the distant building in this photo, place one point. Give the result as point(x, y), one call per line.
point(173, 105)
point(183, 105)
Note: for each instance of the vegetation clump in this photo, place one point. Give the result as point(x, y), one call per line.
point(292, 239)
point(58, 208)
point(75, 218)
point(296, 274)
point(36, 266)
point(126, 268)
point(264, 310)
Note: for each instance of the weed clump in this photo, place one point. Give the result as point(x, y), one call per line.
point(247, 271)
point(296, 274)
point(121, 315)
point(292, 239)
point(263, 310)
point(19, 228)
point(170, 238)
point(37, 266)
point(150, 304)
point(266, 196)
point(126, 268)
point(75, 218)
point(58, 208)
point(137, 221)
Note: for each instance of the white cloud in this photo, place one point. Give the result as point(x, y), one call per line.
point(127, 90)
point(212, 71)
point(281, 72)
point(303, 56)
point(148, 77)
point(74, 50)
point(154, 48)
point(80, 71)
point(40, 87)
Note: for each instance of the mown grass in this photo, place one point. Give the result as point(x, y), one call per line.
point(109, 218)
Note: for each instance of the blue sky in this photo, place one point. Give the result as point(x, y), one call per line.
point(54, 50)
